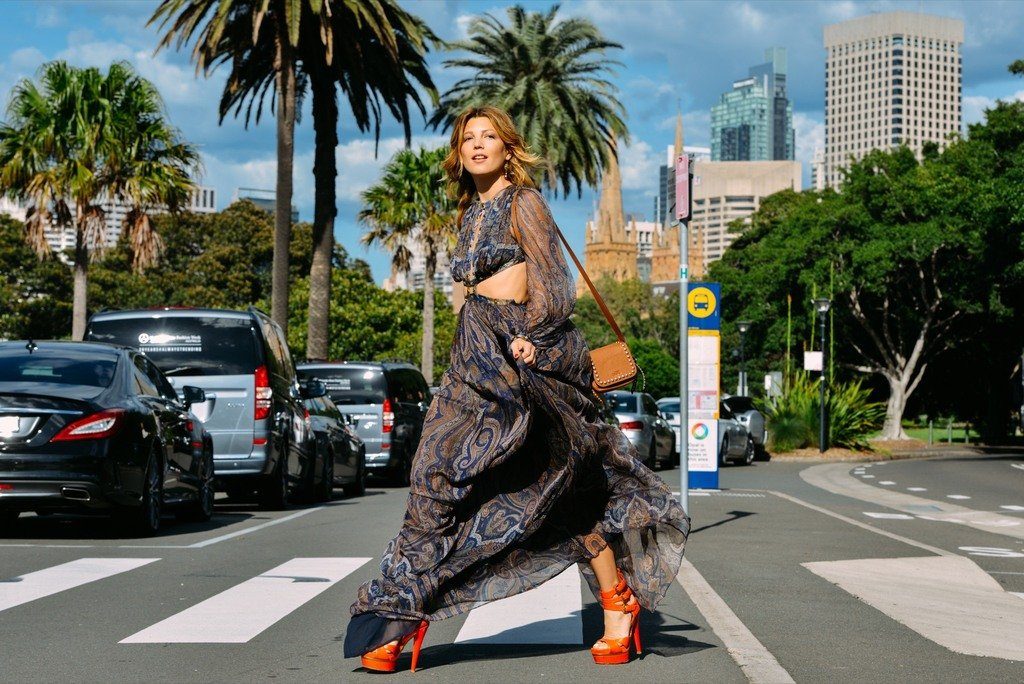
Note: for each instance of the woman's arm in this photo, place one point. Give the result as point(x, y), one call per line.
point(552, 295)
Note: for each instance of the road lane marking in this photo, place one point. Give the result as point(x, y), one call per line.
point(254, 528)
point(245, 610)
point(957, 496)
point(1012, 507)
point(889, 516)
point(948, 600)
point(917, 489)
point(833, 477)
point(863, 525)
point(887, 483)
point(991, 552)
point(549, 614)
point(756, 661)
point(868, 477)
point(42, 583)
point(1018, 466)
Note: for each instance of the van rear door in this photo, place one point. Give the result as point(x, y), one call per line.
point(217, 353)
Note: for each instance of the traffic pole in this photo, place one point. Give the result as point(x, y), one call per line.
point(684, 187)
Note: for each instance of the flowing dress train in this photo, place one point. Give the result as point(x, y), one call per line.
point(516, 476)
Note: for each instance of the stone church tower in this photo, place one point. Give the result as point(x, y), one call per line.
point(608, 251)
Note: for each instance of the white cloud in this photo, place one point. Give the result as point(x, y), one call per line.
point(359, 168)
point(750, 17)
point(810, 135)
point(975, 106)
point(49, 16)
point(638, 164)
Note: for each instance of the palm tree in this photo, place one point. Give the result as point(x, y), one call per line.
point(410, 204)
point(550, 75)
point(252, 34)
point(373, 51)
point(79, 137)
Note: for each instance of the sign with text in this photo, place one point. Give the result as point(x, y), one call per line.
point(682, 187)
point(703, 435)
point(703, 309)
point(704, 375)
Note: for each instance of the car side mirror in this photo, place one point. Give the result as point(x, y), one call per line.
point(192, 395)
point(313, 389)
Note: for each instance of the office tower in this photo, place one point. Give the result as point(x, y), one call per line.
point(754, 121)
point(726, 191)
point(890, 79)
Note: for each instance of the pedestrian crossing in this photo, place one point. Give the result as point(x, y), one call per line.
point(549, 614)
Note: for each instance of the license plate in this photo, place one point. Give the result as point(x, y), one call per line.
point(9, 426)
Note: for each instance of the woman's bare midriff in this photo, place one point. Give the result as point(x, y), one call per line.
point(507, 284)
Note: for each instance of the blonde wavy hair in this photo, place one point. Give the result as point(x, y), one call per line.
point(517, 169)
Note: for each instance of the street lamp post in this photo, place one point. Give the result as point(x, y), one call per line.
point(822, 306)
point(743, 326)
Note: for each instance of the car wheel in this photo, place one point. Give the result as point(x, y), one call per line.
point(202, 509)
point(8, 520)
point(762, 454)
point(145, 518)
point(674, 453)
point(326, 489)
point(723, 452)
point(748, 453)
point(357, 488)
point(274, 492)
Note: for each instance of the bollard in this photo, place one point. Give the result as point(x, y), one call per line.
point(931, 432)
point(949, 431)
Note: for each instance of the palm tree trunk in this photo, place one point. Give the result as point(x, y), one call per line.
point(81, 283)
point(325, 172)
point(283, 202)
point(427, 351)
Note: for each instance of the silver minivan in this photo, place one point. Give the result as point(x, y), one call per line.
point(261, 431)
point(386, 403)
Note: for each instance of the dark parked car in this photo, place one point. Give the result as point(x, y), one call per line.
point(97, 427)
point(341, 454)
point(253, 406)
point(640, 420)
point(745, 411)
point(386, 403)
point(735, 443)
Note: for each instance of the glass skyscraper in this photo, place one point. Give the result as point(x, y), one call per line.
point(754, 121)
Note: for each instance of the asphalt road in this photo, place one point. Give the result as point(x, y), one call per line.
point(801, 571)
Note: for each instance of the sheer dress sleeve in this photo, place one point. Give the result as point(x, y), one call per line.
point(552, 295)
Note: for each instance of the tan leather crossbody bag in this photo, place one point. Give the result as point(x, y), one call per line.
point(614, 365)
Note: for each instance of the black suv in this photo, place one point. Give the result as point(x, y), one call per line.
point(386, 403)
point(261, 431)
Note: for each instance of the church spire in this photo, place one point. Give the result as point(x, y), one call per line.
point(611, 218)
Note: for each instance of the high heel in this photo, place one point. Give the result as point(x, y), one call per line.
point(385, 658)
point(618, 651)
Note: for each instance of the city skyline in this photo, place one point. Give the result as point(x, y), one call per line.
point(653, 82)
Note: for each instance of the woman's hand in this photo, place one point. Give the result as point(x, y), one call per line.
point(523, 349)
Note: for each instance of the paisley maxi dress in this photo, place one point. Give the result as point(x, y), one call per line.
point(516, 476)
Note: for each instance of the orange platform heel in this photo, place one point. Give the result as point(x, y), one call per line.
point(385, 658)
point(618, 651)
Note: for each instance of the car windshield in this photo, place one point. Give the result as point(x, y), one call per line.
point(623, 403)
point(349, 385)
point(740, 404)
point(62, 367)
point(186, 345)
point(669, 406)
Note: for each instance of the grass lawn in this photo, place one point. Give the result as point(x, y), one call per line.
point(939, 434)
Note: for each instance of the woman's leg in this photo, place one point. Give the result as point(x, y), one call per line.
point(616, 622)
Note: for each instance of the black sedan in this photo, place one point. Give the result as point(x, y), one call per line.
point(341, 453)
point(95, 427)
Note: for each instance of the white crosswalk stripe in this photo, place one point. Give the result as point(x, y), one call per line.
point(549, 614)
point(238, 614)
point(42, 583)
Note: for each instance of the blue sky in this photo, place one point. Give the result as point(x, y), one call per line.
point(674, 53)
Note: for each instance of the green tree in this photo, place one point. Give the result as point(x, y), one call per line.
point(78, 137)
point(375, 52)
point(260, 41)
point(36, 294)
point(410, 204)
point(550, 74)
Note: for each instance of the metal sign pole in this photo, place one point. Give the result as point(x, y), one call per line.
point(683, 191)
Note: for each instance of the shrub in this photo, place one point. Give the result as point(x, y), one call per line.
point(793, 417)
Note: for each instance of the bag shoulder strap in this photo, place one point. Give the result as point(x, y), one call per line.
point(583, 272)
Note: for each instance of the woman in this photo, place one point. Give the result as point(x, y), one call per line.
point(516, 477)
